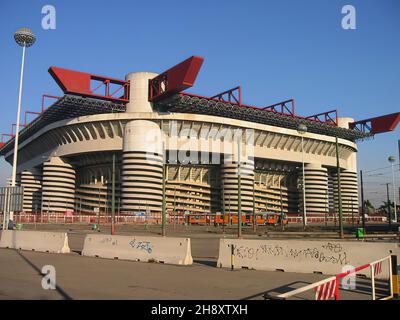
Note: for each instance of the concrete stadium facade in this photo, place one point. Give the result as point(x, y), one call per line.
point(67, 165)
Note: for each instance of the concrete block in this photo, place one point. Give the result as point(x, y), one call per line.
point(304, 256)
point(139, 248)
point(53, 242)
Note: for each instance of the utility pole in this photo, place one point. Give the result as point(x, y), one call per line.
point(254, 208)
point(239, 195)
point(341, 235)
point(229, 205)
point(326, 209)
point(280, 193)
point(352, 212)
point(362, 202)
point(388, 204)
point(392, 160)
point(223, 208)
point(174, 204)
point(302, 129)
point(164, 204)
point(113, 196)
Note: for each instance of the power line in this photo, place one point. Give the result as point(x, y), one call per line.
point(373, 170)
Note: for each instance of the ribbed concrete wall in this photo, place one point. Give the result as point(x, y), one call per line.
point(317, 198)
point(58, 186)
point(142, 167)
point(31, 180)
point(230, 188)
point(316, 189)
point(349, 187)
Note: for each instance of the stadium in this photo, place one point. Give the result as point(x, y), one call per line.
point(215, 153)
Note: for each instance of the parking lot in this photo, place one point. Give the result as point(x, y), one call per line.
point(80, 277)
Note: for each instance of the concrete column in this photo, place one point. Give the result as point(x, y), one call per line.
point(229, 180)
point(31, 180)
point(142, 166)
point(139, 91)
point(316, 182)
point(349, 183)
point(344, 122)
point(58, 191)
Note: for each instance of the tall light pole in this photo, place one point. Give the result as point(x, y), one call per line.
point(113, 195)
point(388, 204)
point(239, 193)
point(25, 38)
point(339, 185)
point(302, 129)
point(392, 160)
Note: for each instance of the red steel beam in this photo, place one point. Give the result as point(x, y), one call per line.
point(14, 125)
point(30, 112)
point(174, 80)
point(79, 83)
point(282, 107)
point(233, 95)
point(376, 125)
point(50, 97)
point(328, 117)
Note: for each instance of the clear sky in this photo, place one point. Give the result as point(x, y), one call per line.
point(275, 49)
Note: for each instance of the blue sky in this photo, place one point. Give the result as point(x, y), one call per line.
point(275, 49)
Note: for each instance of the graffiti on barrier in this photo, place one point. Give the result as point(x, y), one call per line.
point(142, 245)
point(329, 252)
point(109, 240)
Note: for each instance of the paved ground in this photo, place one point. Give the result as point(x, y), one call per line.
point(93, 278)
point(81, 277)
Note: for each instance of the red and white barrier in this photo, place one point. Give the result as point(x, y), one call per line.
point(378, 268)
point(326, 290)
point(329, 288)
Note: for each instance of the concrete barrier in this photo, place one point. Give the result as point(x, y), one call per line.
point(139, 248)
point(304, 256)
point(53, 242)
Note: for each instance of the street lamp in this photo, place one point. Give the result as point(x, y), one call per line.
point(392, 160)
point(25, 38)
point(339, 187)
point(302, 129)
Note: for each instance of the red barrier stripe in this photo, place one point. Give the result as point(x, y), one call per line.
point(320, 291)
point(326, 291)
point(378, 268)
point(333, 287)
point(344, 274)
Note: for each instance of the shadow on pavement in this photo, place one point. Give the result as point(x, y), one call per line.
point(364, 286)
point(65, 295)
point(208, 263)
point(279, 290)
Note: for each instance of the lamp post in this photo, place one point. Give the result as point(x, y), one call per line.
point(302, 129)
point(339, 185)
point(388, 204)
point(164, 201)
point(239, 193)
point(392, 160)
point(25, 38)
point(113, 195)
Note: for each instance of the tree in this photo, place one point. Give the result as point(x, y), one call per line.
point(369, 208)
point(384, 206)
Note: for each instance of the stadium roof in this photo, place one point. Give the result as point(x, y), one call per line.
point(67, 107)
